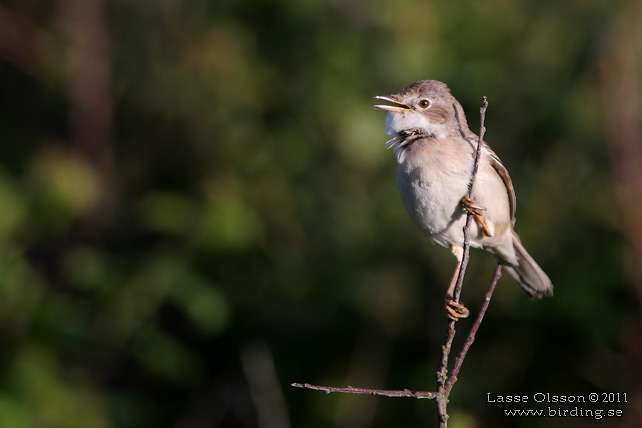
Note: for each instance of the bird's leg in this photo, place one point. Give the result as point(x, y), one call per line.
point(476, 211)
point(455, 310)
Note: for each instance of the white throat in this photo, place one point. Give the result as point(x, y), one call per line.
point(397, 123)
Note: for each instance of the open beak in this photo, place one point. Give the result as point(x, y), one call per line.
point(399, 107)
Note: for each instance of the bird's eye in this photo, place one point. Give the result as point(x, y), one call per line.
point(424, 103)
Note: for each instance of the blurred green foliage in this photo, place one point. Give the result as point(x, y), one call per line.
point(198, 209)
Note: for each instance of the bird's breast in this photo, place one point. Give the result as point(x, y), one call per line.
point(431, 183)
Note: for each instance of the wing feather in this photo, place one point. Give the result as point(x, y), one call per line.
point(503, 173)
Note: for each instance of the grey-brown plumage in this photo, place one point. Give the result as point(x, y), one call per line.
point(435, 154)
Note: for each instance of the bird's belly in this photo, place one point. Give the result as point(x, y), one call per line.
point(432, 196)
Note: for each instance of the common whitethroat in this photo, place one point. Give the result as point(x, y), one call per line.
point(435, 153)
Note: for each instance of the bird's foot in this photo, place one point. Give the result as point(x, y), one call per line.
point(476, 211)
point(470, 207)
point(456, 310)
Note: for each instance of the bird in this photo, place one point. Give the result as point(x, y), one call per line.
point(435, 153)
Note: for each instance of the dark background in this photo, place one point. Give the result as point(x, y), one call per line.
point(197, 209)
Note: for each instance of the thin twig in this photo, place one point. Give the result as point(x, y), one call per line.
point(473, 330)
point(471, 189)
point(442, 372)
point(480, 139)
point(367, 391)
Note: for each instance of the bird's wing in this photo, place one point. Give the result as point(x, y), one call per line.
point(503, 173)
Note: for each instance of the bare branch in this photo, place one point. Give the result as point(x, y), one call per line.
point(366, 391)
point(473, 330)
point(443, 390)
point(471, 188)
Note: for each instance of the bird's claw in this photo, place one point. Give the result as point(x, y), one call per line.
point(470, 207)
point(456, 310)
point(476, 211)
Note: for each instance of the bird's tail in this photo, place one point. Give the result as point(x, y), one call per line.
point(527, 272)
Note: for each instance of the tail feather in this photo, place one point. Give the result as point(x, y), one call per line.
point(528, 273)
